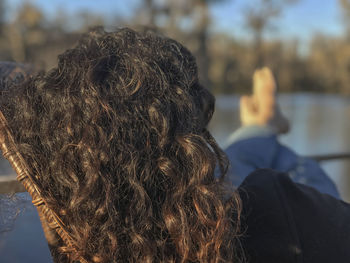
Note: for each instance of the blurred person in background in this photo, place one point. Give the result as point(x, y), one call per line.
point(255, 144)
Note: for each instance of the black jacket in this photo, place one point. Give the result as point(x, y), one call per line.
point(288, 222)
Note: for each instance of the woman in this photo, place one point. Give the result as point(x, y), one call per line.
point(113, 146)
point(116, 142)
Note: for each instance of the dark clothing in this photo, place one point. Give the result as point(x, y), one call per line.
point(288, 222)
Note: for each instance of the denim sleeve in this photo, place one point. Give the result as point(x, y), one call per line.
point(305, 171)
point(255, 147)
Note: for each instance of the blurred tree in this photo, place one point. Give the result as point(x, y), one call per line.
point(196, 20)
point(329, 64)
point(31, 37)
point(86, 20)
point(2, 16)
point(201, 33)
point(181, 19)
point(25, 30)
point(345, 7)
point(343, 53)
point(258, 18)
point(151, 10)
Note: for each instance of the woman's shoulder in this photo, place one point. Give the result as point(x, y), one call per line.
point(288, 222)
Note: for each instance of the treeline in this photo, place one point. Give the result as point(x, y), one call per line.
point(325, 68)
point(226, 63)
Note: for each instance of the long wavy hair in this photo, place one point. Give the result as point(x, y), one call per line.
point(116, 138)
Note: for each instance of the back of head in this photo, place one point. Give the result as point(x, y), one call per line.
point(116, 138)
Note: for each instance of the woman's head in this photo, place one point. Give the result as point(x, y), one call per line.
point(116, 138)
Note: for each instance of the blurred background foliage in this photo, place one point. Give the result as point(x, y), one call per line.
point(226, 62)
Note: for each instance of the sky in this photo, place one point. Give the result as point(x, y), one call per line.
point(298, 21)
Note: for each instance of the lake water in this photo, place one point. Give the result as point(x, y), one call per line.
point(320, 125)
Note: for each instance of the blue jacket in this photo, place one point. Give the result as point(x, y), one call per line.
point(248, 154)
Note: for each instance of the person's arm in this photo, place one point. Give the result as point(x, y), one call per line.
point(255, 148)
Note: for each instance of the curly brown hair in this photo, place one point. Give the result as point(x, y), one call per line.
point(116, 138)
